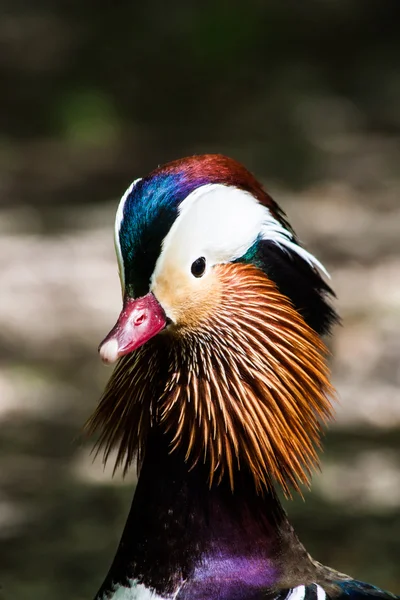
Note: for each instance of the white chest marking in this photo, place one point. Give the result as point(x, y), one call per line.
point(297, 593)
point(300, 593)
point(321, 594)
point(138, 591)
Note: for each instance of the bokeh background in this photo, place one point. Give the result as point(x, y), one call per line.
point(95, 94)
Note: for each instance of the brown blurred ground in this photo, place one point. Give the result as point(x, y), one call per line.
point(307, 97)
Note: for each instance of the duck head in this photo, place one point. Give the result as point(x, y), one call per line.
point(218, 342)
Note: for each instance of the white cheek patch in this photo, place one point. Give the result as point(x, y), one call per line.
point(118, 221)
point(221, 223)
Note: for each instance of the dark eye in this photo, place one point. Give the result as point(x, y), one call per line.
point(198, 267)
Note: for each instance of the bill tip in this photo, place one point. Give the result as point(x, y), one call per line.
point(109, 352)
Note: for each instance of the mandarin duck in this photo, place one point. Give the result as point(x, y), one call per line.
point(220, 390)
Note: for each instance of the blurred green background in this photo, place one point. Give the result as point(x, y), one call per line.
point(95, 94)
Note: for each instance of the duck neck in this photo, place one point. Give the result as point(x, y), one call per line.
point(206, 542)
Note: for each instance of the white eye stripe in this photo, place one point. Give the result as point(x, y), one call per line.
point(118, 222)
point(221, 223)
point(216, 221)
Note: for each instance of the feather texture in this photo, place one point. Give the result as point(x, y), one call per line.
point(247, 387)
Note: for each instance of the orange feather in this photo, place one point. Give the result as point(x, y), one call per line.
point(244, 387)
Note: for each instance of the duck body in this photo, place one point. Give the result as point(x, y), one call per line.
point(219, 390)
point(187, 542)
